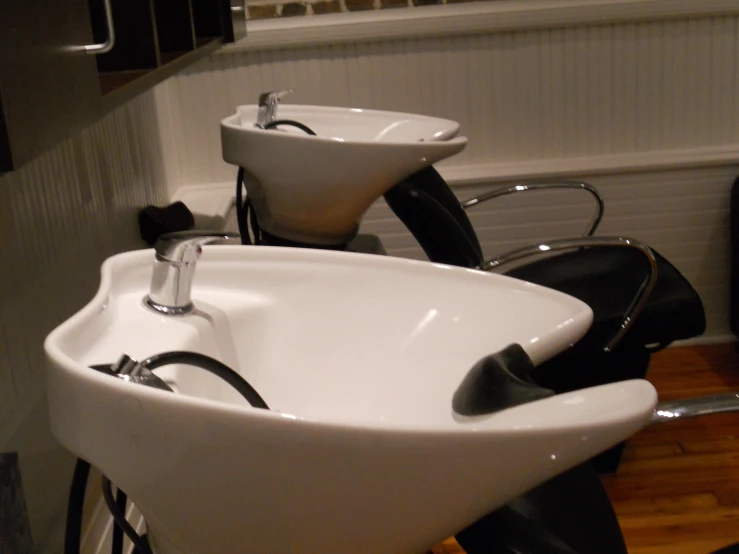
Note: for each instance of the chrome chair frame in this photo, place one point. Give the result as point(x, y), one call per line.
point(695, 407)
point(645, 289)
point(504, 191)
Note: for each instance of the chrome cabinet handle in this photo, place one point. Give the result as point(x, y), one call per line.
point(107, 46)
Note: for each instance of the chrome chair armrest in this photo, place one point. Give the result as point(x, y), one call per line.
point(694, 407)
point(504, 191)
point(642, 295)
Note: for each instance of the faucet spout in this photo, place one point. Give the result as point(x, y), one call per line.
point(176, 255)
point(268, 102)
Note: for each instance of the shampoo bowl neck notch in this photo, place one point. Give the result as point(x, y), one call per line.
point(176, 255)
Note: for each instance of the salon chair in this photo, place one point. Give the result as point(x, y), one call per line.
point(641, 303)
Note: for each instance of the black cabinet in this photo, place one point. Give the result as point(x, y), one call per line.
point(50, 86)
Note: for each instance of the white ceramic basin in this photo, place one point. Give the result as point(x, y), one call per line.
point(359, 357)
point(316, 189)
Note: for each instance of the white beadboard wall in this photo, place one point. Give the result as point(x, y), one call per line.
point(602, 101)
point(60, 217)
point(527, 95)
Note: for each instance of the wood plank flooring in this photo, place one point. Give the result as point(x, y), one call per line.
point(677, 489)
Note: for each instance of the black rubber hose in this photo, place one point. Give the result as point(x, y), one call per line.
point(121, 520)
point(73, 531)
point(75, 508)
point(251, 214)
point(211, 365)
point(120, 502)
point(292, 123)
point(241, 211)
point(245, 213)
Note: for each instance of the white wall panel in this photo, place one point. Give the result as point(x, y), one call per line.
point(60, 217)
point(62, 214)
point(571, 96)
point(526, 95)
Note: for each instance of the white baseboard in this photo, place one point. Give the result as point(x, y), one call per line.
point(216, 199)
point(639, 162)
point(211, 200)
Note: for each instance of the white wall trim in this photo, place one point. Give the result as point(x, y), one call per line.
point(215, 199)
point(639, 162)
point(465, 19)
point(210, 200)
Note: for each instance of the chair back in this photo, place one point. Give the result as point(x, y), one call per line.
point(425, 203)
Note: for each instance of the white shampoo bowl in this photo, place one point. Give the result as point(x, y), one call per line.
point(358, 357)
point(316, 189)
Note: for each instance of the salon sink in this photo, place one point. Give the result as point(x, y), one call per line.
point(315, 189)
point(358, 358)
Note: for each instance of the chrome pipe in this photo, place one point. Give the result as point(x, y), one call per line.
point(107, 46)
point(642, 295)
point(695, 407)
point(544, 186)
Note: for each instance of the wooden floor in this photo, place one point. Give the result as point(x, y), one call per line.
point(677, 489)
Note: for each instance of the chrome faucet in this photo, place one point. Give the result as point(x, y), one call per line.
point(176, 255)
point(268, 102)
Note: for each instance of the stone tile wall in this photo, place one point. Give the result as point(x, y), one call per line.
point(15, 529)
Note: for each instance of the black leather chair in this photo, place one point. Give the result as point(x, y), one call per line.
point(569, 514)
point(641, 303)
